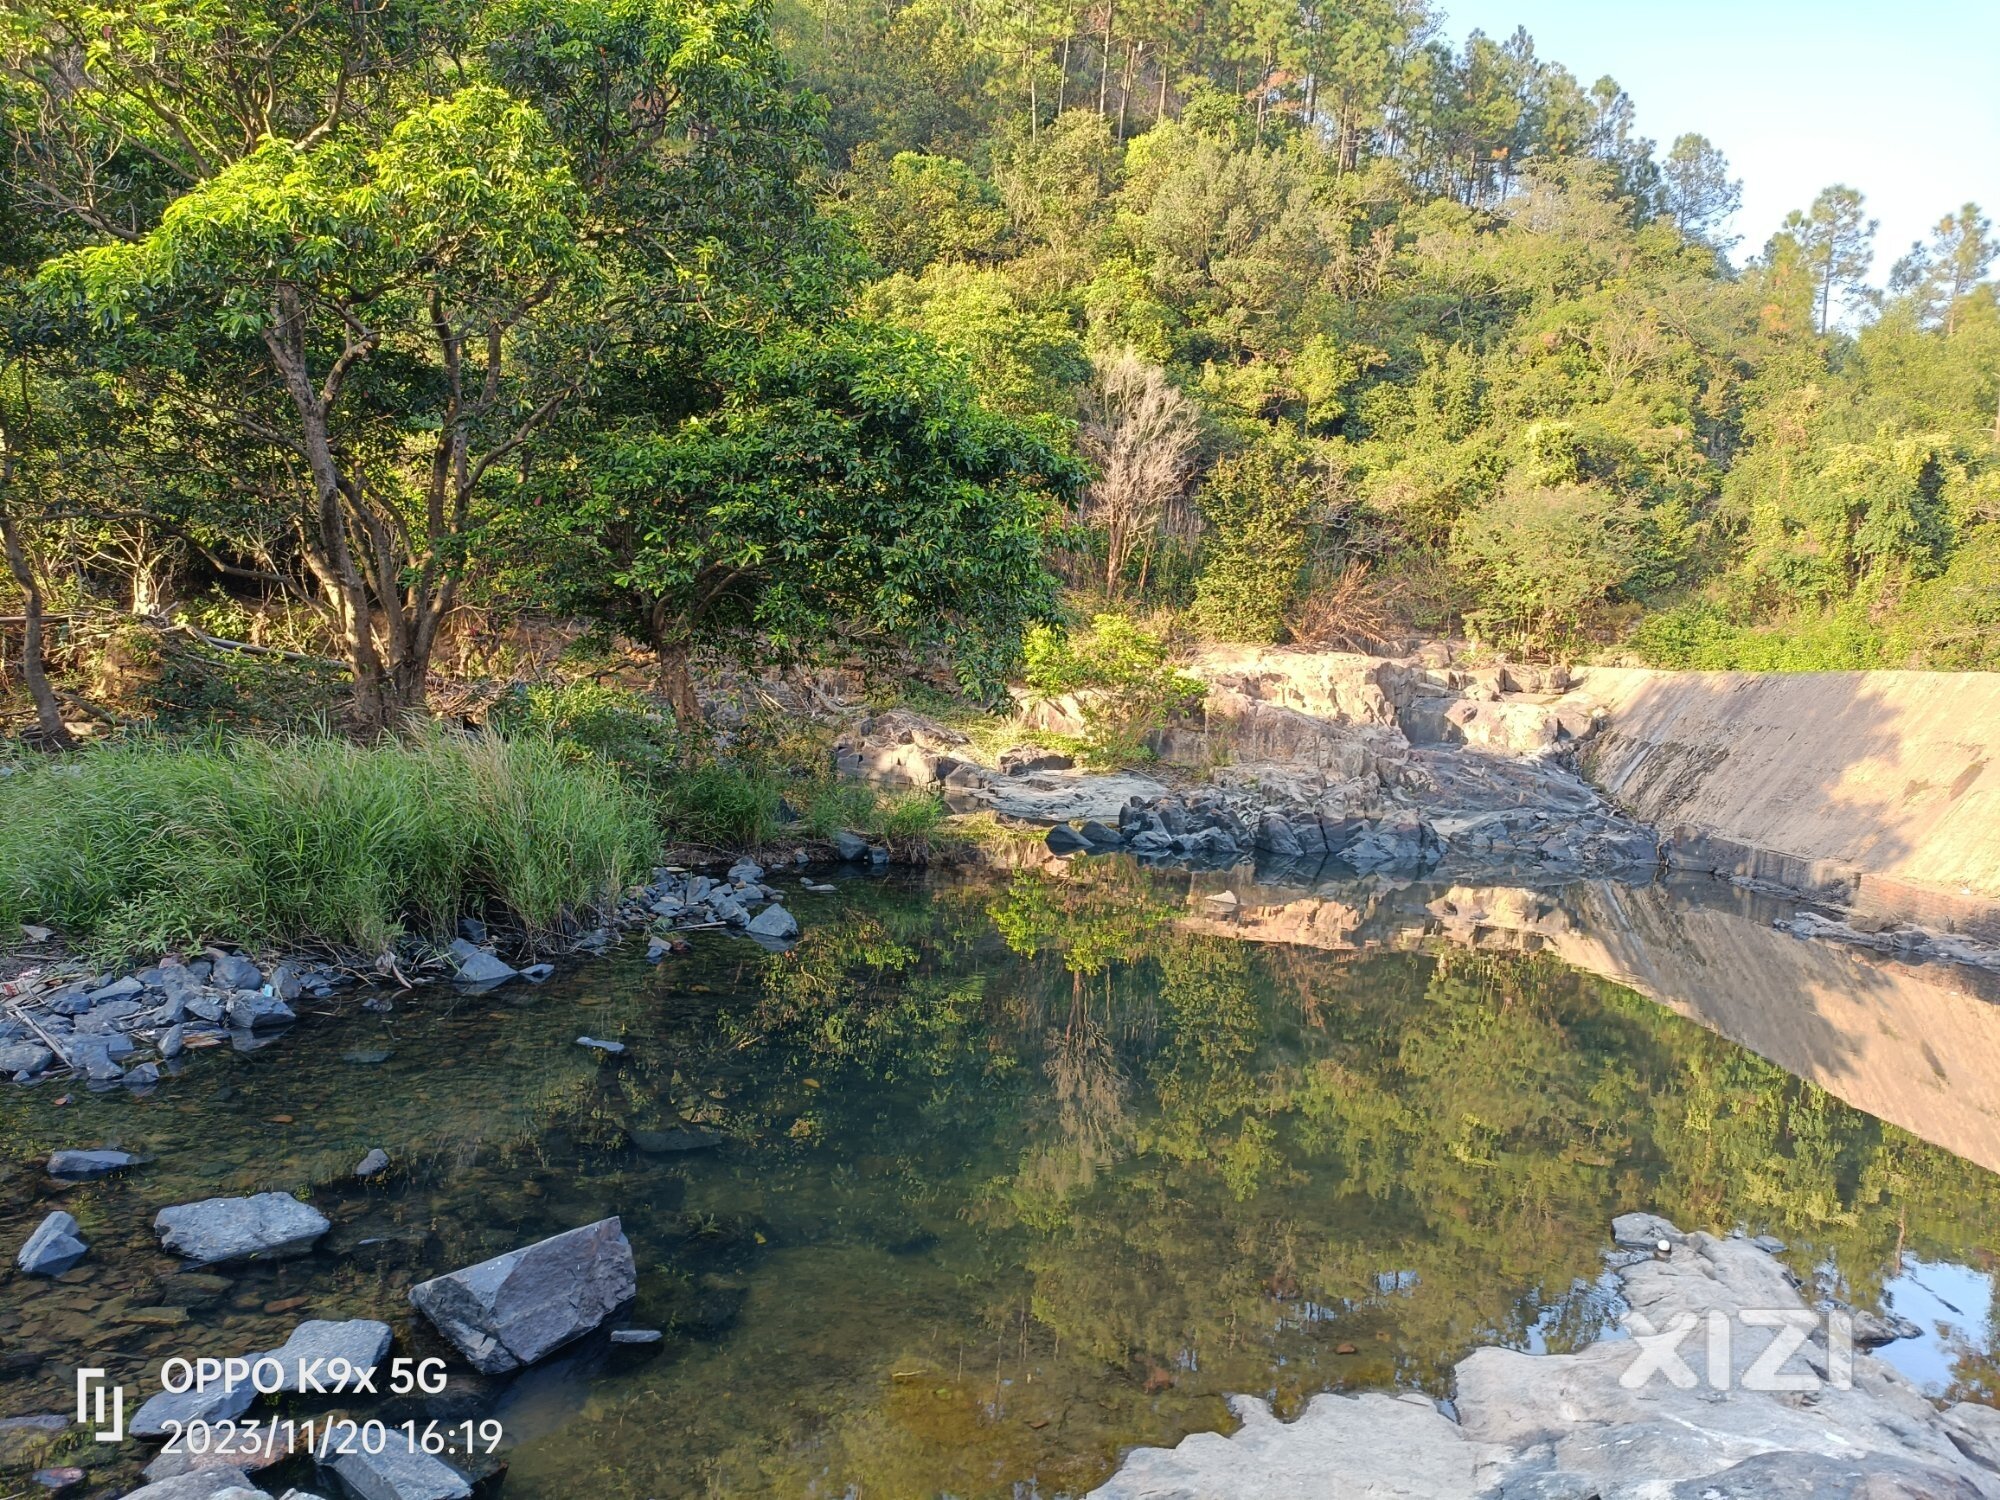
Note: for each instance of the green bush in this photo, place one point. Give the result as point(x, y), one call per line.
point(1123, 680)
point(1256, 505)
point(611, 724)
point(145, 845)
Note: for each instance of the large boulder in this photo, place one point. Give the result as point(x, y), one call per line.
point(514, 1309)
point(268, 1226)
point(53, 1248)
point(399, 1472)
point(315, 1345)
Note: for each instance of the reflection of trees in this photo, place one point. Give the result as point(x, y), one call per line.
point(1206, 1166)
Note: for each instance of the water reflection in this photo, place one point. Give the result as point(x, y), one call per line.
point(987, 1180)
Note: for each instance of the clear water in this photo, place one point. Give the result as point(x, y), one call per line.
point(1014, 1173)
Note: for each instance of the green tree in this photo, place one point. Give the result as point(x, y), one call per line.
point(1835, 238)
point(1257, 504)
point(1944, 272)
point(1698, 193)
point(849, 494)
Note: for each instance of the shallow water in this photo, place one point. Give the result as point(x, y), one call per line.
point(1011, 1174)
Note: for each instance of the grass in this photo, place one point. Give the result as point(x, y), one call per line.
point(735, 805)
point(148, 844)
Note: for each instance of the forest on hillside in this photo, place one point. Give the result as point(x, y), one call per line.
point(860, 328)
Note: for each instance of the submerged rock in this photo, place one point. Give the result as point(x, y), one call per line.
point(514, 1309)
point(374, 1164)
point(53, 1248)
point(774, 922)
point(81, 1166)
point(267, 1226)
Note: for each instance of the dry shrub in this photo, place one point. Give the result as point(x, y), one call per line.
point(1351, 610)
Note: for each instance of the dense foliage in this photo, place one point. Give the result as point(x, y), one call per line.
point(834, 329)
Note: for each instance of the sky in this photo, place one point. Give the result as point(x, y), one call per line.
point(1899, 100)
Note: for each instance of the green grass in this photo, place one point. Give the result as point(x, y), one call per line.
point(145, 845)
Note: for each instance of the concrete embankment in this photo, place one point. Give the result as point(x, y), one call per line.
point(1878, 791)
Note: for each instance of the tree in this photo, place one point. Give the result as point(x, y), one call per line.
point(1548, 555)
point(849, 494)
point(912, 209)
point(1835, 240)
point(1941, 274)
point(1698, 193)
point(375, 289)
point(1140, 434)
point(1256, 504)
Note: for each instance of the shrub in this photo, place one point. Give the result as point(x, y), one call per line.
point(1123, 680)
point(1256, 505)
point(145, 845)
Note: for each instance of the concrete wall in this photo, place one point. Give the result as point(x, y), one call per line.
point(1876, 790)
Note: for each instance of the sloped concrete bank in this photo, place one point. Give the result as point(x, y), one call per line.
point(1874, 791)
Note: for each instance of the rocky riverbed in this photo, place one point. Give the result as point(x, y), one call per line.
point(1727, 1382)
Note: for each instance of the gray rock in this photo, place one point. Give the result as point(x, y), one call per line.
point(476, 965)
point(179, 982)
point(774, 922)
point(53, 1248)
point(850, 846)
point(25, 1057)
point(1813, 1476)
point(217, 1401)
point(1275, 835)
point(205, 1008)
point(267, 1226)
point(1643, 1232)
point(746, 870)
point(80, 1166)
point(201, 1484)
point(539, 973)
point(1063, 839)
point(374, 1164)
point(127, 988)
point(399, 1472)
point(636, 1335)
point(614, 1048)
point(1025, 760)
point(256, 1012)
point(300, 1495)
point(514, 1309)
point(173, 1043)
point(108, 1017)
point(1873, 1330)
point(145, 1076)
point(317, 1343)
point(1770, 1244)
point(1101, 835)
point(287, 982)
point(233, 971)
point(71, 1000)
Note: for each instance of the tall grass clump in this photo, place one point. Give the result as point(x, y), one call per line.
point(146, 845)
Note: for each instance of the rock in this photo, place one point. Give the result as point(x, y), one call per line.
point(53, 1248)
point(266, 1226)
point(374, 1164)
point(1025, 760)
point(850, 846)
point(1873, 1330)
point(127, 988)
point(476, 965)
point(201, 1484)
point(233, 971)
point(145, 1076)
point(81, 1166)
point(1275, 835)
point(399, 1472)
point(258, 1012)
point(35, 934)
point(614, 1048)
point(539, 973)
point(25, 1057)
point(287, 982)
point(1099, 835)
point(1813, 1476)
point(746, 870)
point(55, 1481)
point(106, 1017)
point(173, 1043)
point(205, 1008)
point(774, 922)
point(317, 1343)
point(219, 1400)
point(1770, 1244)
point(1643, 1232)
point(27, 1442)
point(1063, 839)
point(636, 1335)
point(514, 1309)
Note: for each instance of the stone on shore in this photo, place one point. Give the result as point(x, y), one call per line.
point(1063, 839)
point(476, 966)
point(235, 972)
point(53, 1248)
point(81, 1166)
point(253, 1012)
point(850, 846)
point(514, 1309)
point(399, 1472)
point(200, 1484)
point(24, 1057)
point(1643, 1232)
point(267, 1226)
point(374, 1164)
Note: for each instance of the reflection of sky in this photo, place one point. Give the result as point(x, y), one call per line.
point(1955, 1306)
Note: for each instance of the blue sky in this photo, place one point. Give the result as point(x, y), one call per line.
point(1901, 101)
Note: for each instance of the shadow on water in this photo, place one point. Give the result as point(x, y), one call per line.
point(986, 1181)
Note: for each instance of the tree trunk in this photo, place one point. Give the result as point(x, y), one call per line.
point(1062, 80)
point(1104, 65)
point(677, 684)
point(48, 713)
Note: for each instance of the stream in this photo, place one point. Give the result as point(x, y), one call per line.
point(992, 1177)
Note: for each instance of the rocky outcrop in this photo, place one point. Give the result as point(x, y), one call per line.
point(514, 1309)
point(1696, 1400)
